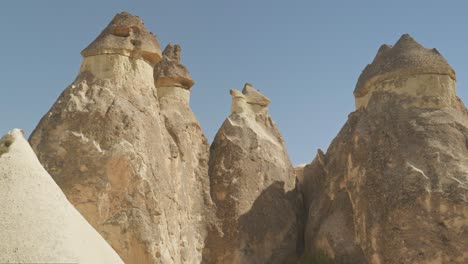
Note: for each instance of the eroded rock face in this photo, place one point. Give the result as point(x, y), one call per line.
point(253, 187)
point(37, 223)
point(189, 165)
point(392, 187)
point(170, 72)
point(130, 162)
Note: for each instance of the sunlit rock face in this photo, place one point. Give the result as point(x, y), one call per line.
point(118, 153)
point(392, 186)
point(420, 75)
point(37, 222)
point(189, 150)
point(252, 186)
point(171, 77)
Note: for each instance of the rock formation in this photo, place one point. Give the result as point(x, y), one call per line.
point(129, 160)
point(37, 223)
point(189, 150)
point(252, 186)
point(392, 187)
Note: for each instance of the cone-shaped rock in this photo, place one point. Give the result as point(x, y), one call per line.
point(408, 68)
point(253, 187)
point(37, 223)
point(392, 186)
point(120, 160)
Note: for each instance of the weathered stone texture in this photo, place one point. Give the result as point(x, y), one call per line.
point(134, 164)
point(37, 222)
point(253, 187)
point(392, 187)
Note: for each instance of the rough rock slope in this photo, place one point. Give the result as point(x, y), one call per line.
point(253, 187)
point(37, 223)
point(123, 162)
point(393, 185)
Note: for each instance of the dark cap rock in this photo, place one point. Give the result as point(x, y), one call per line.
point(170, 71)
point(407, 57)
point(126, 35)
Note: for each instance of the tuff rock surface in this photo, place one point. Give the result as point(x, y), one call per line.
point(392, 186)
point(170, 71)
point(252, 186)
point(429, 80)
point(126, 35)
point(37, 223)
point(133, 162)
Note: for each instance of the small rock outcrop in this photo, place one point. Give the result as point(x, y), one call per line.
point(130, 160)
point(392, 186)
point(252, 186)
point(37, 223)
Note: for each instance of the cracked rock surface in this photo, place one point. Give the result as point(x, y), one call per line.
point(132, 165)
point(392, 186)
point(253, 187)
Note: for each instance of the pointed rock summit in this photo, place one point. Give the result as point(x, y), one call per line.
point(252, 186)
point(171, 77)
point(126, 35)
point(398, 68)
point(392, 186)
point(132, 161)
point(37, 223)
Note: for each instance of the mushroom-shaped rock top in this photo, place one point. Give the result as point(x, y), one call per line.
point(170, 71)
point(407, 57)
point(126, 35)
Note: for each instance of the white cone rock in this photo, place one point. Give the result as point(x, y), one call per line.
point(37, 222)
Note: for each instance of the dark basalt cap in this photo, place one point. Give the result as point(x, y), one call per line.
point(406, 58)
point(170, 71)
point(126, 35)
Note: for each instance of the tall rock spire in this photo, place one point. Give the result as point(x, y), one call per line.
point(392, 186)
point(402, 68)
point(125, 163)
point(253, 187)
point(37, 222)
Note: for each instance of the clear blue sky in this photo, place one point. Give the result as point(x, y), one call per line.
point(305, 55)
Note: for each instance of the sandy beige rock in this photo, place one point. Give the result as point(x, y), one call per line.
point(253, 187)
point(37, 223)
point(170, 72)
point(126, 35)
point(124, 163)
point(189, 165)
point(392, 187)
point(408, 68)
